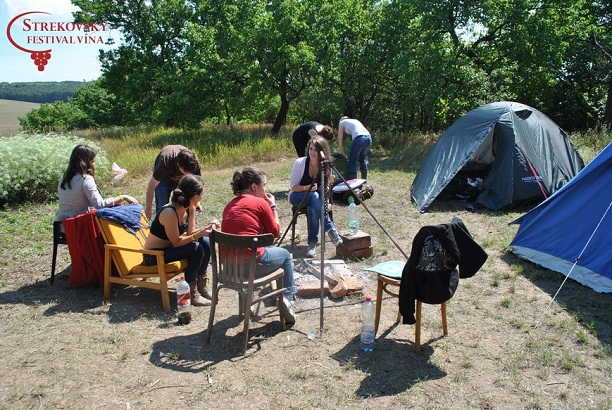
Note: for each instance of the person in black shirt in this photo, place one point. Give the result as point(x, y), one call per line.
point(306, 131)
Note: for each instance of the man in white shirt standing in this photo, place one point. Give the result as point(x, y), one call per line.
point(361, 141)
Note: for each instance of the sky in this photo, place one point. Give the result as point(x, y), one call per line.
point(74, 53)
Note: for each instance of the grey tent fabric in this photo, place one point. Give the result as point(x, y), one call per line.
point(520, 154)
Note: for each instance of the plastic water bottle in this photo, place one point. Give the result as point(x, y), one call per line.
point(352, 218)
point(367, 325)
point(183, 301)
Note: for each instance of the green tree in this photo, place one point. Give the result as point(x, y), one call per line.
point(99, 106)
point(283, 52)
point(146, 72)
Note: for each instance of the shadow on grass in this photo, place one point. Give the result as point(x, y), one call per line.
point(191, 353)
point(57, 296)
point(392, 368)
point(590, 308)
point(127, 304)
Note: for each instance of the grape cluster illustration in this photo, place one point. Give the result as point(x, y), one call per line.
point(41, 59)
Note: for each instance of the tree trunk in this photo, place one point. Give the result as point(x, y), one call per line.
point(281, 117)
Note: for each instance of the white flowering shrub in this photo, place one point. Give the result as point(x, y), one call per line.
point(32, 164)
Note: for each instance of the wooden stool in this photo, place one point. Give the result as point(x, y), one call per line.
point(383, 282)
point(417, 329)
point(303, 211)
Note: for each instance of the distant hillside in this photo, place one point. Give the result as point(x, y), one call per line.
point(39, 92)
point(10, 111)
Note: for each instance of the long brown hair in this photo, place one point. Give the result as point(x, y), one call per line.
point(80, 160)
point(321, 145)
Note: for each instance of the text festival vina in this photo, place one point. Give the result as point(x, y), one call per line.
point(63, 27)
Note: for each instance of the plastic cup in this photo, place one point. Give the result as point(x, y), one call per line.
point(311, 328)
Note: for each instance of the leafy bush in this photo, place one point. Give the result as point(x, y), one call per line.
point(32, 164)
point(56, 116)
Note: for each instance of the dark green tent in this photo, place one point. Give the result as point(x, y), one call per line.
point(508, 152)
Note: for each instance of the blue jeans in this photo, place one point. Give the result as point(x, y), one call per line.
point(197, 254)
point(313, 210)
point(162, 193)
point(360, 147)
point(274, 258)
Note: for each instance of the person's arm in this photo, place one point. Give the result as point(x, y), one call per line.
point(296, 176)
point(90, 189)
point(206, 230)
point(127, 198)
point(340, 138)
point(270, 218)
point(153, 183)
point(191, 224)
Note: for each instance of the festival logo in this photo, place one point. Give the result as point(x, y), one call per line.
point(38, 35)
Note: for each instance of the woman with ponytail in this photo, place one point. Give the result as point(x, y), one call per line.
point(174, 231)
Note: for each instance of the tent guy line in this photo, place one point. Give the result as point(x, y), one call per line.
point(573, 266)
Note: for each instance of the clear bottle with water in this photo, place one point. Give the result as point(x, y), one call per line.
point(183, 301)
point(353, 222)
point(367, 325)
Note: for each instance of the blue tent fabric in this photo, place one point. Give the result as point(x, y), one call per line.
point(574, 223)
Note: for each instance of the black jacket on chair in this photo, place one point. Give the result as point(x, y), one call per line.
point(457, 249)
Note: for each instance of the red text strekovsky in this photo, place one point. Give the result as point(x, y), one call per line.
point(59, 26)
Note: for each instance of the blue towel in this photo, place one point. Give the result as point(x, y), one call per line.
point(126, 215)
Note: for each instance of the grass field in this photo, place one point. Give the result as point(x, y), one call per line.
point(10, 111)
point(508, 346)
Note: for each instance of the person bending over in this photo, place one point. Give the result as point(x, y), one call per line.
point(172, 162)
point(306, 131)
point(361, 141)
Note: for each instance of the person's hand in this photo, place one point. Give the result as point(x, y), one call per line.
point(314, 187)
point(129, 199)
point(214, 224)
point(270, 198)
point(198, 207)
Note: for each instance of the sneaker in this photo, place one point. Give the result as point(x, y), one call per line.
point(287, 309)
point(311, 251)
point(333, 235)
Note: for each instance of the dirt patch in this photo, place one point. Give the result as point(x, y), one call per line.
point(506, 348)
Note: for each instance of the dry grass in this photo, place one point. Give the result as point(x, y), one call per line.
point(10, 111)
point(68, 348)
